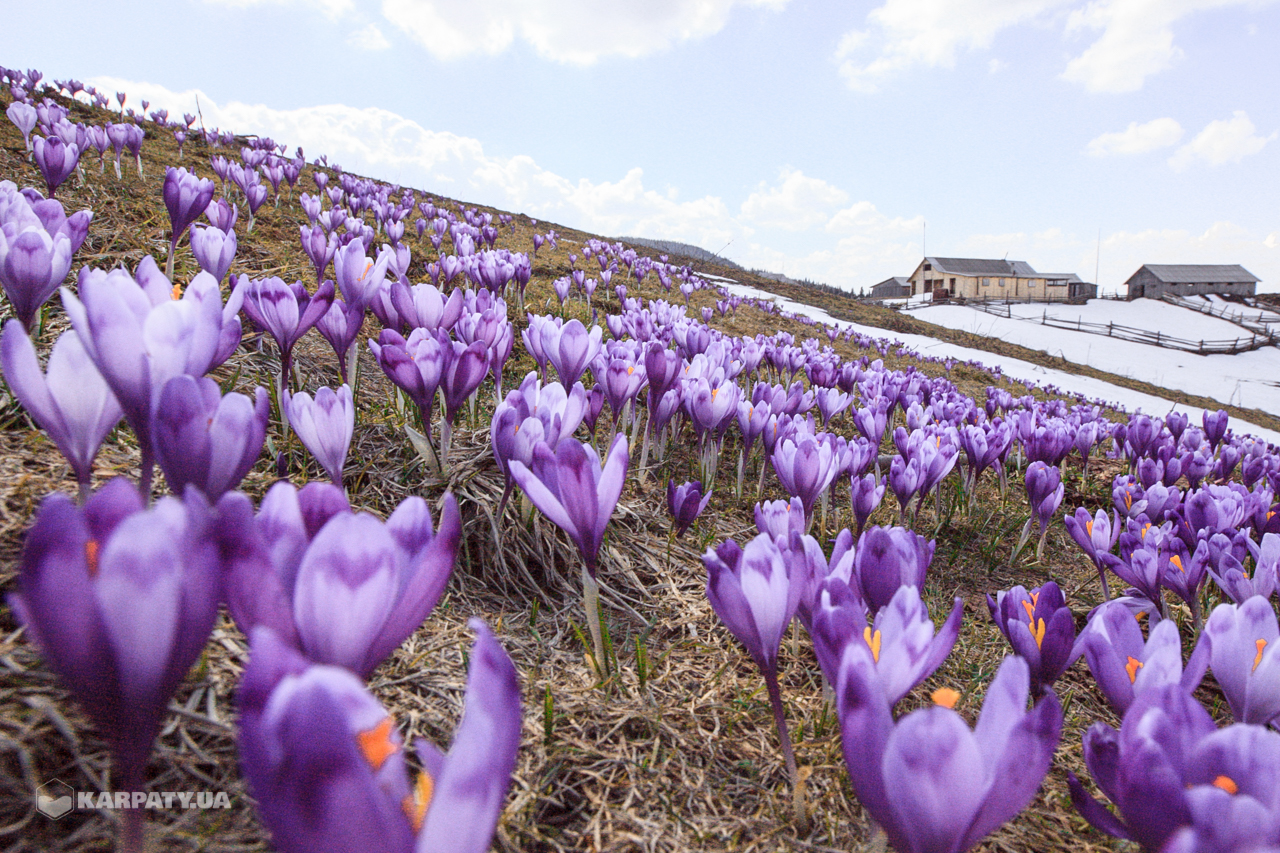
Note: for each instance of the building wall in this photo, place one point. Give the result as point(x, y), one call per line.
point(1144, 284)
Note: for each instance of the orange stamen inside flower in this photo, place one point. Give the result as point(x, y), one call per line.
point(873, 641)
point(91, 559)
point(1177, 561)
point(946, 697)
point(176, 293)
point(1030, 608)
point(631, 368)
point(415, 804)
point(713, 392)
point(1088, 527)
point(368, 265)
point(1227, 784)
point(1037, 631)
point(1257, 659)
point(375, 744)
point(1132, 668)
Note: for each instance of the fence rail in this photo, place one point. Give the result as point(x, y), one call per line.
point(1258, 326)
point(1159, 339)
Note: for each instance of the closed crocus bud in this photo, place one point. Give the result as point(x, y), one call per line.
point(186, 196)
point(887, 558)
point(56, 161)
point(686, 502)
point(327, 767)
point(205, 439)
point(24, 118)
point(121, 600)
point(1215, 426)
point(866, 493)
point(805, 469)
point(285, 311)
point(33, 263)
point(214, 250)
point(357, 276)
point(221, 215)
point(570, 348)
point(1040, 628)
point(324, 425)
point(72, 402)
point(340, 326)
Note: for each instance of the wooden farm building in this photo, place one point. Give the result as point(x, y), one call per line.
point(981, 278)
point(1155, 280)
point(891, 288)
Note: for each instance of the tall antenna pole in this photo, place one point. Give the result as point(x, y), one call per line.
point(1097, 258)
point(924, 239)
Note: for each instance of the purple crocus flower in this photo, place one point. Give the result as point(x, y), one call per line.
point(139, 336)
point(463, 369)
point(72, 402)
point(1232, 797)
point(358, 276)
point(424, 306)
point(24, 117)
point(205, 439)
point(56, 161)
point(344, 588)
point(186, 196)
point(755, 592)
point(570, 348)
point(324, 425)
point(686, 502)
point(214, 250)
point(898, 647)
point(1215, 426)
point(285, 311)
point(222, 215)
point(780, 518)
point(805, 469)
point(579, 494)
point(1125, 665)
point(340, 326)
point(1097, 537)
point(1039, 626)
point(1143, 767)
point(120, 600)
point(865, 493)
point(33, 263)
point(327, 766)
point(1245, 658)
point(929, 781)
point(1044, 492)
point(887, 558)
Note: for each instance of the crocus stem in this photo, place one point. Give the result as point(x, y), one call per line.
point(168, 264)
point(131, 830)
point(591, 601)
point(85, 490)
point(144, 478)
point(784, 737)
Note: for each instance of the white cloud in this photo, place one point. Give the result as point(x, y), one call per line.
point(578, 32)
point(1136, 138)
point(1223, 141)
point(796, 203)
point(929, 33)
point(1136, 40)
point(368, 38)
point(330, 8)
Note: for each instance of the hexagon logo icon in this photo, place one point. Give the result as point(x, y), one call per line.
point(55, 798)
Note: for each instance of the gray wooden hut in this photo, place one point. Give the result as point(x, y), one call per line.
point(1155, 280)
point(897, 287)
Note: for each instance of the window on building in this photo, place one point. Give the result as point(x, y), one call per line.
point(986, 282)
point(1033, 282)
point(928, 266)
point(1002, 282)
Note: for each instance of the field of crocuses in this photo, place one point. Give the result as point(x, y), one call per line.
point(343, 516)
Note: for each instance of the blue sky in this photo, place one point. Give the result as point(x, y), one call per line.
point(818, 139)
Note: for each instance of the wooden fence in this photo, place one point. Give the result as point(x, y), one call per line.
point(1160, 339)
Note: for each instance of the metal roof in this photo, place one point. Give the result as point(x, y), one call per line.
point(982, 266)
point(1198, 273)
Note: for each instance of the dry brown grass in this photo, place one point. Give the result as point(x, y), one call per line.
point(676, 751)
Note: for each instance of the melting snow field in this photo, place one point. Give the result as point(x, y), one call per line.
point(1251, 380)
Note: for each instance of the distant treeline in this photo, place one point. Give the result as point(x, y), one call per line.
point(673, 247)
